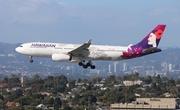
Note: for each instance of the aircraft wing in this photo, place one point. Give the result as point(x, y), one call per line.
point(81, 49)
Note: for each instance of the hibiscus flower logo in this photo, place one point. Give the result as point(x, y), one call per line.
point(132, 52)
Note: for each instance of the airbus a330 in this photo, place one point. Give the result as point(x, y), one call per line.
point(85, 53)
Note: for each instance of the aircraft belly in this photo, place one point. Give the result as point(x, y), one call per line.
point(105, 56)
point(41, 53)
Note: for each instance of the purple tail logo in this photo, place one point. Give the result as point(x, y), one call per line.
point(147, 45)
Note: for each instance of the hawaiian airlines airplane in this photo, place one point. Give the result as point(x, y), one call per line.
point(62, 52)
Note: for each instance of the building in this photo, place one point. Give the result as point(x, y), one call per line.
point(164, 66)
point(149, 103)
point(124, 67)
point(170, 67)
point(3, 85)
point(22, 81)
point(130, 83)
point(150, 72)
point(10, 104)
point(109, 68)
point(115, 67)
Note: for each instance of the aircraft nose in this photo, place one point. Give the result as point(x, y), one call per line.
point(17, 49)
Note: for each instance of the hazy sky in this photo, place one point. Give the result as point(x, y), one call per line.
point(112, 22)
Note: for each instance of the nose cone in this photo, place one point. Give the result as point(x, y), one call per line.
point(17, 49)
point(22, 50)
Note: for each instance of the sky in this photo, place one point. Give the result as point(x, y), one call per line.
point(106, 22)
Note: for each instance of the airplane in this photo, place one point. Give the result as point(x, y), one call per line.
point(80, 53)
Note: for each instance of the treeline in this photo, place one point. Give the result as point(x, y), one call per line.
point(82, 93)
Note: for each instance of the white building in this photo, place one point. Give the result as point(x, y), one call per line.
point(109, 68)
point(170, 67)
point(115, 67)
point(130, 83)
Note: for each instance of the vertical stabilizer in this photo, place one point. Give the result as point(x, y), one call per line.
point(147, 46)
point(153, 38)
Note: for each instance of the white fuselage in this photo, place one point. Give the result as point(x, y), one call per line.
point(62, 52)
point(94, 52)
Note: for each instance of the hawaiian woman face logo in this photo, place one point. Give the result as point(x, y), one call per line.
point(152, 40)
point(156, 34)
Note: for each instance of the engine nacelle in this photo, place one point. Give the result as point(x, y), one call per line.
point(60, 57)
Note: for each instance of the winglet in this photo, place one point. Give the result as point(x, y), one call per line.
point(89, 41)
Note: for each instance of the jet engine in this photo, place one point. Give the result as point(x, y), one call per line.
point(60, 57)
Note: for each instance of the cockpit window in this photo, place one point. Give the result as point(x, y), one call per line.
point(20, 46)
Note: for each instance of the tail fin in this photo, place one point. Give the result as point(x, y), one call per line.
point(153, 38)
point(147, 46)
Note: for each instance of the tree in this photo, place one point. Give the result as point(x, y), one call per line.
point(59, 88)
point(131, 98)
point(61, 80)
point(124, 77)
point(66, 107)
point(37, 96)
point(178, 81)
point(147, 80)
point(134, 76)
point(49, 82)
point(28, 92)
point(37, 80)
point(93, 99)
point(27, 82)
point(76, 98)
point(31, 108)
point(165, 79)
point(174, 91)
point(57, 103)
point(13, 82)
point(153, 86)
point(101, 98)
point(82, 101)
point(84, 80)
point(156, 79)
point(36, 77)
point(88, 87)
point(71, 84)
point(39, 87)
point(97, 79)
point(2, 99)
point(111, 79)
point(14, 108)
point(50, 101)
point(5, 80)
point(79, 80)
point(25, 100)
point(14, 95)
